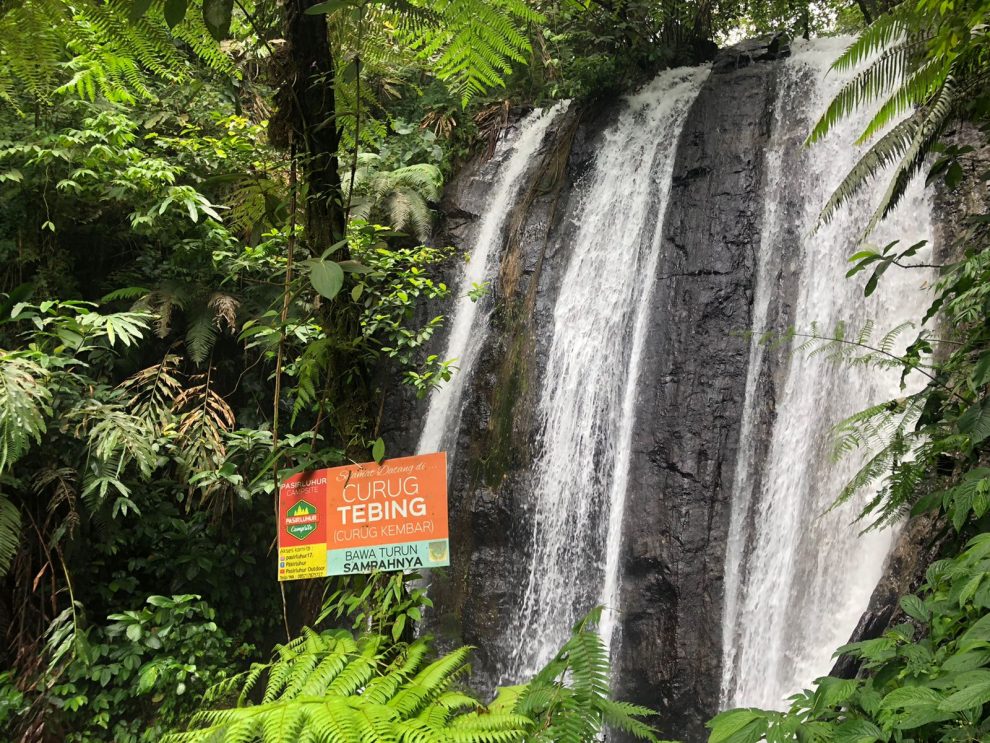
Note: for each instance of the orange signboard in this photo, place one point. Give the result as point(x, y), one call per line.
point(364, 517)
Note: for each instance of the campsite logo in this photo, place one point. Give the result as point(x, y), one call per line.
point(301, 519)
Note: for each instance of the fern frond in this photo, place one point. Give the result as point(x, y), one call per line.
point(878, 36)
point(25, 401)
point(931, 122)
point(917, 90)
point(473, 45)
point(890, 67)
point(886, 151)
point(10, 533)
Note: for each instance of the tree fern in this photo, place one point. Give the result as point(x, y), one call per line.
point(398, 197)
point(87, 47)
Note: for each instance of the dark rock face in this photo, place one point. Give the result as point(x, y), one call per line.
point(690, 401)
point(690, 407)
point(691, 396)
point(476, 596)
point(761, 49)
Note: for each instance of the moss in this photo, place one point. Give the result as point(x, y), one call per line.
point(500, 447)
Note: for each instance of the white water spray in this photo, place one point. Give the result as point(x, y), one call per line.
point(587, 401)
point(798, 576)
point(470, 321)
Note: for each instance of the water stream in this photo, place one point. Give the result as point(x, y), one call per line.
point(469, 326)
point(798, 576)
point(587, 401)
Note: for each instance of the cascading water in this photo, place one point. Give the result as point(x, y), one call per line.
point(798, 576)
point(588, 395)
point(470, 321)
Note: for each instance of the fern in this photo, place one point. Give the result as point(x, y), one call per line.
point(25, 401)
point(398, 197)
point(908, 69)
point(10, 533)
point(568, 698)
point(89, 48)
point(204, 419)
point(470, 44)
point(332, 687)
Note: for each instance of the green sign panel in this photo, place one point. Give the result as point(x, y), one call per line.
point(301, 519)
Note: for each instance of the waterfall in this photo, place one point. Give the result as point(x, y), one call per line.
point(587, 400)
point(470, 318)
point(798, 576)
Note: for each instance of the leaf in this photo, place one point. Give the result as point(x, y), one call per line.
point(351, 266)
point(976, 421)
point(147, 678)
point(175, 12)
point(10, 533)
point(216, 16)
point(915, 608)
point(400, 624)
point(857, 731)
point(327, 278)
point(976, 635)
point(138, 9)
point(378, 450)
point(910, 696)
point(356, 292)
point(329, 6)
point(726, 726)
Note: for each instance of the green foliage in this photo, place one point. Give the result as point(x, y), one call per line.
point(388, 295)
point(399, 197)
point(109, 54)
point(331, 686)
point(922, 59)
point(473, 44)
point(10, 532)
point(158, 658)
point(25, 400)
point(334, 686)
point(569, 699)
point(379, 603)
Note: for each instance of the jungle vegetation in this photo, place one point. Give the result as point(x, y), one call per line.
point(214, 223)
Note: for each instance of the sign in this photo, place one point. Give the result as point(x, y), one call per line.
point(364, 517)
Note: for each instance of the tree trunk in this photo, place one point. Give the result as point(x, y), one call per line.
point(307, 114)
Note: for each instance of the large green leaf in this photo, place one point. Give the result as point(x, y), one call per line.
point(327, 278)
point(138, 9)
point(976, 421)
point(736, 725)
point(216, 16)
point(175, 12)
